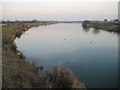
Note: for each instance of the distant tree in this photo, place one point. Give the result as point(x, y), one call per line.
point(34, 21)
point(8, 22)
point(85, 23)
point(115, 20)
point(16, 21)
point(3, 22)
point(105, 20)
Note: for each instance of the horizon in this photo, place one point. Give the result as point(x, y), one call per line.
point(60, 10)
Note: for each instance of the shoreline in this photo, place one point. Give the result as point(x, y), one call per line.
point(19, 73)
point(108, 26)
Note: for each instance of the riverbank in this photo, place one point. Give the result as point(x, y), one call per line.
point(109, 26)
point(19, 73)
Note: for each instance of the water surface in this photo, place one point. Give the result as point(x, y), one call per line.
point(92, 55)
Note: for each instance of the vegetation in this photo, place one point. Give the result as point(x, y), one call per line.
point(17, 72)
point(110, 26)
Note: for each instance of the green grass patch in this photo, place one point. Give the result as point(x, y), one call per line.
point(11, 27)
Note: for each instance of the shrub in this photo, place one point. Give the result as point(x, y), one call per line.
point(85, 23)
point(59, 78)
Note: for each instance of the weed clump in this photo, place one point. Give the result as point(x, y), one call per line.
point(59, 78)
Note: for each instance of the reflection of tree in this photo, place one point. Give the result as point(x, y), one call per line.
point(86, 29)
point(96, 31)
point(112, 32)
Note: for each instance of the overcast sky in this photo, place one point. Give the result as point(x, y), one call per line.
point(59, 9)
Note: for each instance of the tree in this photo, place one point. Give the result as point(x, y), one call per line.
point(105, 20)
point(8, 22)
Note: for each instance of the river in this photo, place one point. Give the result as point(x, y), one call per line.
point(92, 55)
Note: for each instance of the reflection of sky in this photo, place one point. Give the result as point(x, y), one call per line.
point(76, 53)
point(64, 38)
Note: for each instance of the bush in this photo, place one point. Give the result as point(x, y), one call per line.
point(85, 23)
point(59, 78)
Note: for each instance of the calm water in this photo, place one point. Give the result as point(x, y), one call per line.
point(92, 55)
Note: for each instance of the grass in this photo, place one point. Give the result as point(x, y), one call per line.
point(9, 27)
point(19, 73)
point(10, 32)
point(59, 78)
point(13, 47)
point(13, 68)
point(101, 25)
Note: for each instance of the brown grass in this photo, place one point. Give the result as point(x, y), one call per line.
point(59, 78)
point(13, 47)
point(19, 73)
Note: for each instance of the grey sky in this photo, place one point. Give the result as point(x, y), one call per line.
point(60, 10)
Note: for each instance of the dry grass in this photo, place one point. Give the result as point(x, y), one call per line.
point(19, 73)
point(13, 47)
point(59, 78)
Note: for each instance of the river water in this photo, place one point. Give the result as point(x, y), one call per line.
point(92, 55)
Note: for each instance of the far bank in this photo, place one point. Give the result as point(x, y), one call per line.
point(109, 26)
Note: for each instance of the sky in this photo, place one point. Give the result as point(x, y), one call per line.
point(59, 9)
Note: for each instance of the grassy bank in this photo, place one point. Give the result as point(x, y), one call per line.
point(17, 72)
point(110, 26)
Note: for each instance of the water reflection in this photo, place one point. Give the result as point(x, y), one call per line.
point(95, 31)
point(68, 45)
point(86, 29)
point(111, 32)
